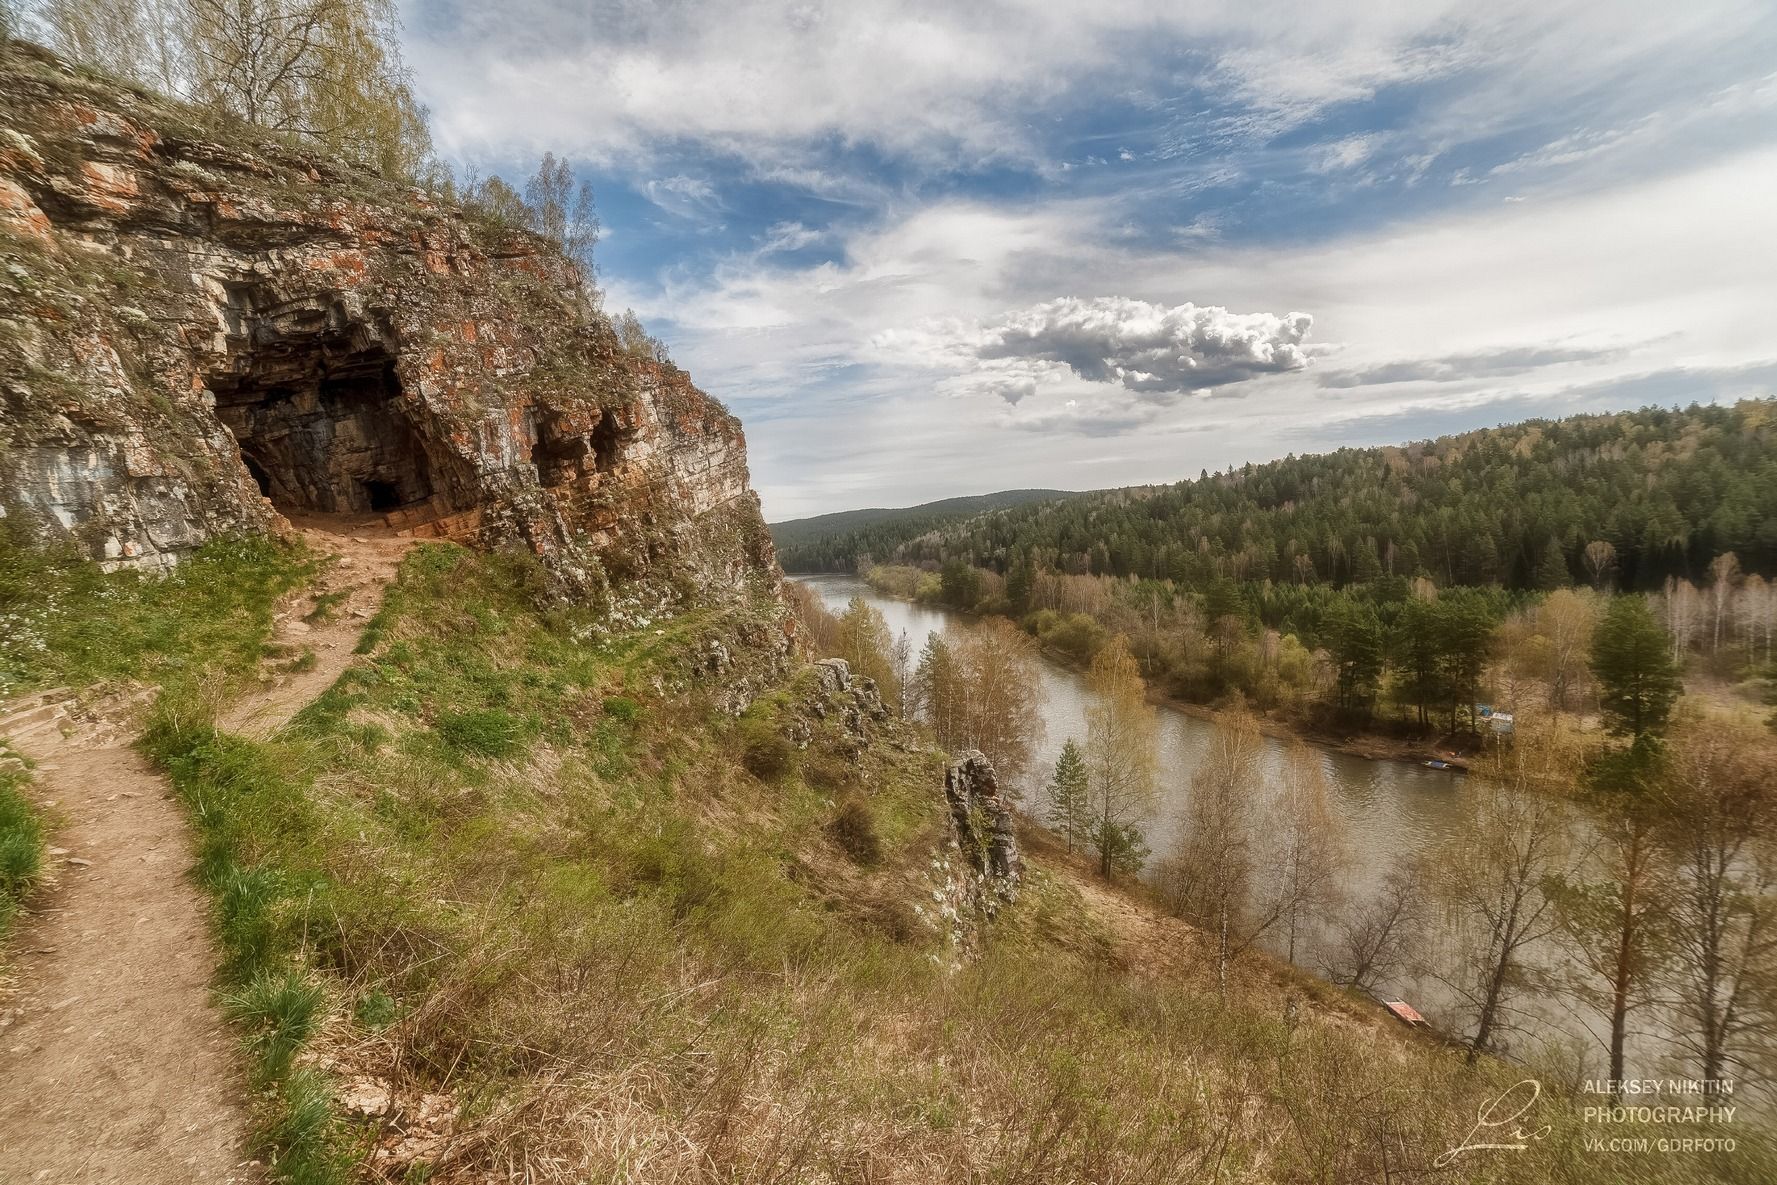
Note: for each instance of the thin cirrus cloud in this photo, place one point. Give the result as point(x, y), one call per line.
point(1456, 368)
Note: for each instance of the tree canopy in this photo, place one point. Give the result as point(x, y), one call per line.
point(1631, 498)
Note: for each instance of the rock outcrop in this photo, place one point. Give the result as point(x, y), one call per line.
point(852, 701)
point(982, 826)
point(203, 329)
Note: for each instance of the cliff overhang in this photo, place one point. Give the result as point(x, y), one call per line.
point(205, 330)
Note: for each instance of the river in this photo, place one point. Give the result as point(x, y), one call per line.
point(1392, 811)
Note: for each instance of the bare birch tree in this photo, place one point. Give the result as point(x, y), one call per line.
point(1121, 758)
point(1001, 709)
point(864, 642)
point(1209, 879)
point(1566, 619)
point(1684, 614)
point(1492, 880)
point(1305, 850)
point(1722, 571)
point(1615, 908)
point(562, 211)
point(1376, 941)
point(1600, 559)
point(1724, 812)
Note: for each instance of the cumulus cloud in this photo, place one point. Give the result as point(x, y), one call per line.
point(1157, 351)
point(1454, 368)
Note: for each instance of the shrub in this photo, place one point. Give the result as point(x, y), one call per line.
point(490, 732)
point(377, 1010)
point(853, 828)
point(766, 752)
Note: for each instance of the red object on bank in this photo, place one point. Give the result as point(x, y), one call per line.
point(1404, 1011)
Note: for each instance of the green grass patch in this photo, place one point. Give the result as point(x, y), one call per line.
point(324, 606)
point(484, 732)
point(259, 833)
point(65, 621)
point(21, 846)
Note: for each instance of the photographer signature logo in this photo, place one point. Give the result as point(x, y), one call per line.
point(1497, 1124)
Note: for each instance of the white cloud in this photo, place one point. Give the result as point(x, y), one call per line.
point(790, 236)
point(1158, 351)
point(1645, 221)
point(949, 84)
point(1492, 303)
point(688, 197)
point(1345, 153)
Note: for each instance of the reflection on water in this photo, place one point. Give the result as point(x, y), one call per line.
point(1392, 810)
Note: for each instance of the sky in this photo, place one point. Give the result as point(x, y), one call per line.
point(930, 249)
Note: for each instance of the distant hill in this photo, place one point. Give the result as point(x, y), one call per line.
point(1519, 506)
point(830, 542)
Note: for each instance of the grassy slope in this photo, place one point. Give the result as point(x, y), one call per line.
point(526, 866)
point(21, 846)
point(64, 622)
point(540, 876)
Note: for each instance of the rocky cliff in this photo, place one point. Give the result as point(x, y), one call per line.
point(203, 330)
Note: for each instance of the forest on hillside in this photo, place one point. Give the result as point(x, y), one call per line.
point(1625, 500)
point(826, 542)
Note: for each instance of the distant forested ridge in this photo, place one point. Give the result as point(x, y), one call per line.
point(1522, 506)
point(832, 542)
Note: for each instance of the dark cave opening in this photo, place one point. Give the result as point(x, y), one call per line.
point(559, 459)
point(260, 477)
point(383, 495)
point(326, 435)
point(607, 441)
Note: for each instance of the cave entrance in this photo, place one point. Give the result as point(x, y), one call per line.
point(328, 436)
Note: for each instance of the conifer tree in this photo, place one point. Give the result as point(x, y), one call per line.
point(1070, 808)
point(1637, 677)
point(1551, 569)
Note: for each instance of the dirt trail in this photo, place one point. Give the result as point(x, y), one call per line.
point(115, 1064)
point(346, 596)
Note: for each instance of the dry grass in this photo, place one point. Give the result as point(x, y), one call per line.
point(617, 950)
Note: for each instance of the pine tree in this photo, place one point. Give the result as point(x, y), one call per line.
point(1465, 640)
point(1637, 676)
point(1416, 656)
point(1355, 641)
point(1070, 806)
point(1551, 570)
point(1366, 563)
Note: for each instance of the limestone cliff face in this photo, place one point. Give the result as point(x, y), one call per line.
point(203, 330)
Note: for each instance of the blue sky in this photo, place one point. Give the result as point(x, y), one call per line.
point(926, 249)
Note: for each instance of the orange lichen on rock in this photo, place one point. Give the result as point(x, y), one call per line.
point(20, 213)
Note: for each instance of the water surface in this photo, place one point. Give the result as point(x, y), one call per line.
point(1392, 811)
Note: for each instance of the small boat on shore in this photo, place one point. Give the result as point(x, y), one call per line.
point(1406, 1014)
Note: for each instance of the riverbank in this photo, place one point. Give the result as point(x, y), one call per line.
point(1369, 746)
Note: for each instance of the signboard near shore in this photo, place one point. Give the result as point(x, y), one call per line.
point(1501, 722)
